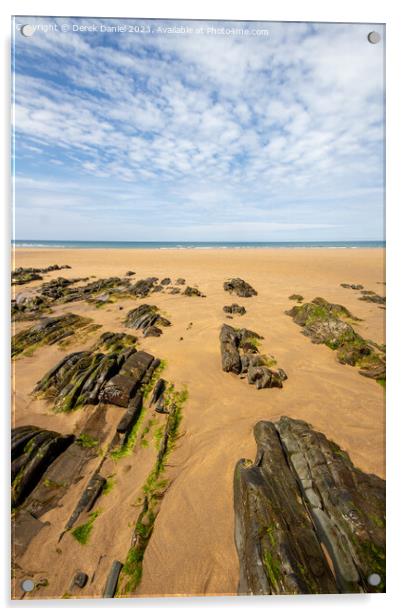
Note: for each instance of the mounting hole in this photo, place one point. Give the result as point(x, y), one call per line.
point(27, 585)
point(374, 579)
point(374, 37)
point(27, 30)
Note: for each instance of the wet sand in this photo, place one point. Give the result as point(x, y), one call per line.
point(192, 549)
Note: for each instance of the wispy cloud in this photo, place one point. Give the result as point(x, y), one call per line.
point(271, 136)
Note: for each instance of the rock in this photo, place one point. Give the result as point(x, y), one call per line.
point(264, 377)
point(80, 579)
point(22, 275)
point(193, 291)
point(142, 288)
point(370, 296)
point(24, 528)
point(297, 298)
point(145, 317)
point(234, 309)
point(137, 365)
point(229, 350)
point(240, 287)
point(166, 281)
point(80, 377)
point(49, 330)
point(130, 273)
point(158, 390)
point(132, 414)
point(113, 578)
point(174, 291)
point(28, 306)
point(88, 498)
point(180, 281)
point(118, 390)
point(324, 323)
point(56, 288)
point(356, 287)
point(40, 449)
point(239, 354)
point(301, 492)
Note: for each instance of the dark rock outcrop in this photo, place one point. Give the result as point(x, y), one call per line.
point(325, 323)
point(32, 452)
point(147, 318)
point(28, 306)
point(142, 288)
point(240, 287)
point(370, 296)
point(22, 275)
point(193, 292)
point(239, 354)
point(49, 330)
point(355, 287)
point(303, 492)
point(88, 498)
point(296, 297)
point(80, 377)
point(234, 309)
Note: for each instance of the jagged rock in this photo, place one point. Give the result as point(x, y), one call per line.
point(88, 498)
point(118, 390)
point(146, 318)
point(301, 492)
point(166, 281)
point(22, 275)
point(32, 452)
point(49, 330)
point(158, 390)
point(130, 418)
point(229, 350)
point(137, 365)
point(56, 288)
point(180, 281)
point(240, 287)
point(113, 578)
point(239, 354)
point(323, 323)
point(80, 377)
point(158, 288)
point(296, 297)
point(234, 309)
point(356, 287)
point(193, 291)
point(264, 377)
point(80, 579)
point(370, 296)
point(28, 307)
point(142, 288)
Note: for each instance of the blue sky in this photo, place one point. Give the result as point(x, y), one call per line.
point(153, 137)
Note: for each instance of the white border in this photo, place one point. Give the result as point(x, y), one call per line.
point(380, 11)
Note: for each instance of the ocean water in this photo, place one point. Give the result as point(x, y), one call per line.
point(200, 245)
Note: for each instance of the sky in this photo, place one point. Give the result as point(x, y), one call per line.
point(161, 136)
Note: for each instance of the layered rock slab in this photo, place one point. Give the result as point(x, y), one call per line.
point(302, 493)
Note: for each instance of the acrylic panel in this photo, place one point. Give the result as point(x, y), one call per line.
point(198, 308)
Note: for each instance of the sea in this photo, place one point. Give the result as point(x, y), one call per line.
point(199, 245)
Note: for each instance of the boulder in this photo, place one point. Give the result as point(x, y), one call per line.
point(239, 287)
point(234, 309)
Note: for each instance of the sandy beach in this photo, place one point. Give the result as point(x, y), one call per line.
point(192, 550)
